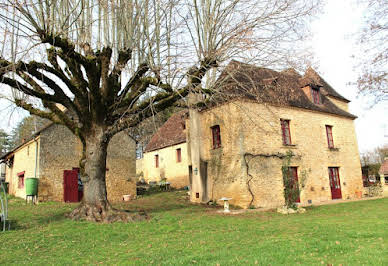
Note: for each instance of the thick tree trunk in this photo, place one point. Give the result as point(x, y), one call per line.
point(94, 172)
point(95, 205)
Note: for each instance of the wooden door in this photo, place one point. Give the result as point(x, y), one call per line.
point(294, 185)
point(335, 183)
point(70, 186)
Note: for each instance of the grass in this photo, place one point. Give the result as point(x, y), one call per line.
point(179, 233)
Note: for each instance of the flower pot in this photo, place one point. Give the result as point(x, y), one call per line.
point(126, 197)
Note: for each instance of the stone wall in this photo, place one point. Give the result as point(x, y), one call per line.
point(61, 150)
point(121, 162)
point(176, 172)
point(24, 160)
point(384, 185)
point(252, 128)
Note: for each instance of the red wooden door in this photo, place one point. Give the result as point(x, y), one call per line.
point(70, 186)
point(335, 183)
point(293, 172)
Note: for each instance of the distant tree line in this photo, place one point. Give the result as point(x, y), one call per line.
point(22, 132)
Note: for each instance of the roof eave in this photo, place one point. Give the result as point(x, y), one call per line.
point(163, 147)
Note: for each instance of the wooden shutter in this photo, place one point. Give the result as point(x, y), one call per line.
point(329, 134)
point(285, 124)
point(178, 155)
point(216, 134)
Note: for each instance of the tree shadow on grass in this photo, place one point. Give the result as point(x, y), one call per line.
point(162, 202)
point(13, 225)
point(37, 221)
point(47, 219)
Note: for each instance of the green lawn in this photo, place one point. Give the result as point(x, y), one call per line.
point(180, 233)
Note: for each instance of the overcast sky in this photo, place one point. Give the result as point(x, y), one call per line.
point(334, 46)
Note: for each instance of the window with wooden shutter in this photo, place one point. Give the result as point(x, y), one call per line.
point(21, 179)
point(156, 161)
point(178, 155)
point(285, 124)
point(329, 134)
point(315, 95)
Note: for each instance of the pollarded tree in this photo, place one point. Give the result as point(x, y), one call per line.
point(100, 58)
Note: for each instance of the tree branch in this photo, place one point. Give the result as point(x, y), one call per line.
point(142, 69)
point(124, 57)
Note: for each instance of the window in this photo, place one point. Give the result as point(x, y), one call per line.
point(329, 134)
point(21, 179)
point(315, 96)
point(386, 179)
point(156, 161)
point(216, 136)
point(286, 131)
point(183, 125)
point(178, 155)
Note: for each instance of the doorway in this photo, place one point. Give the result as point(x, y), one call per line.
point(335, 183)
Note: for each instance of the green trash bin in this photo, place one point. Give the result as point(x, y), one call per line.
point(6, 187)
point(31, 185)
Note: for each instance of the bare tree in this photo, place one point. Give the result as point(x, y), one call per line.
point(374, 43)
point(375, 156)
point(26, 128)
point(99, 58)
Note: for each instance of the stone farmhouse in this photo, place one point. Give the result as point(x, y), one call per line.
point(165, 156)
point(238, 142)
point(52, 155)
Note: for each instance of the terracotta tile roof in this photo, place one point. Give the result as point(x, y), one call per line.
point(171, 133)
point(327, 89)
point(384, 167)
point(240, 80)
point(33, 136)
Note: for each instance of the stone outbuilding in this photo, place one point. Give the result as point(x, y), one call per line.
point(261, 121)
point(52, 155)
point(165, 156)
point(384, 176)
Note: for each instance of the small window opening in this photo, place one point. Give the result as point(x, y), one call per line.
point(216, 134)
point(156, 161)
point(178, 155)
